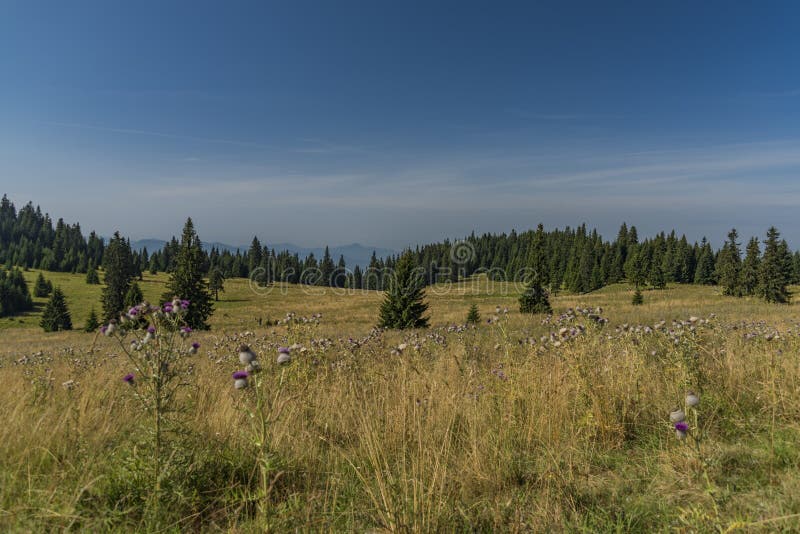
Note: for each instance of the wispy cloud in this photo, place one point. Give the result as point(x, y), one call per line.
point(321, 146)
point(151, 133)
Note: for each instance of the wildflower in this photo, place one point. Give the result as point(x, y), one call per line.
point(681, 428)
point(246, 355)
point(184, 304)
point(676, 415)
point(240, 379)
point(185, 331)
point(194, 347)
point(111, 328)
point(168, 307)
point(128, 378)
point(133, 312)
point(283, 356)
point(692, 399)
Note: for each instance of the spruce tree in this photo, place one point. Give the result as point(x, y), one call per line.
point(56, 315)
point(14, 294)
point(638, 298)
point(773, 277)
point(704, 274)
point(42, 287)
point(657, 278)
point(634, 267)
point(92, 278)
point(92, 323)
point(216, 282)
point(751, 267)
point(254, 257)
point(118, 267)
point(534, 298)
point(729, 266)
point(404, 303)
point(326, 268)
point(473, 316)
point(134, 296)
point(187, 282)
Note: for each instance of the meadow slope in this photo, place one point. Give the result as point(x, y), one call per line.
point(521, 424)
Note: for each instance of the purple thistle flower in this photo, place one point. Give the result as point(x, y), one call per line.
point(184, 304)
point(186, 329)
point(168, 307)
point(682, 426)
point(151, 329)
point(128, 378)
point(238, 375)
point(103, 329)
point(133, 312)
point(283, 350)
point(195, 345)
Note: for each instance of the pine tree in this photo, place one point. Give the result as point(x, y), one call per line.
point(187, 282)
point(254, 257)
point(134, 296)
point(404, 302)
point(326, 268)
point(751, 267)
point(92, 323)
point(56, 315)
point(14, 294)
point(638, 299)
point(634, 267)
point(534, 298)
point(216, 282)
point(118, 267)
point(42, 287)
point(729, 266)
point(92, 278)
point(796, 267)
point(704, 274)
point(473, 316)
point(773, 277)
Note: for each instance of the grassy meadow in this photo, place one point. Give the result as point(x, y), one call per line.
point(520, 424)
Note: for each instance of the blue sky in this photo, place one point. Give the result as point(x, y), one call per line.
point(394, 123)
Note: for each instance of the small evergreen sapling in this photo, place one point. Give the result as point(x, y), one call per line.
point(42, 288)
point(638, 299)
point(56, 314)
point(92, 323)
point(92, 278)
point(473, 317)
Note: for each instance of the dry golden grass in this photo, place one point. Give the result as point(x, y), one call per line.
point(473, 430)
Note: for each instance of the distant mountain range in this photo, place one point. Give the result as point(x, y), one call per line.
point(354, 254)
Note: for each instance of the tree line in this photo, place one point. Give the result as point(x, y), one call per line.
point(577, 260)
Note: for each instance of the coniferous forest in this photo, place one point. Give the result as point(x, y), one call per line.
point(577, 260)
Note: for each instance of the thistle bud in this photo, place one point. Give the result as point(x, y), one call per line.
point(676, 415)
point(283, 356)
point(246, 355)
point(240, 379)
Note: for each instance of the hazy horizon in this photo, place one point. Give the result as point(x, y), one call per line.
point(396, 125)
